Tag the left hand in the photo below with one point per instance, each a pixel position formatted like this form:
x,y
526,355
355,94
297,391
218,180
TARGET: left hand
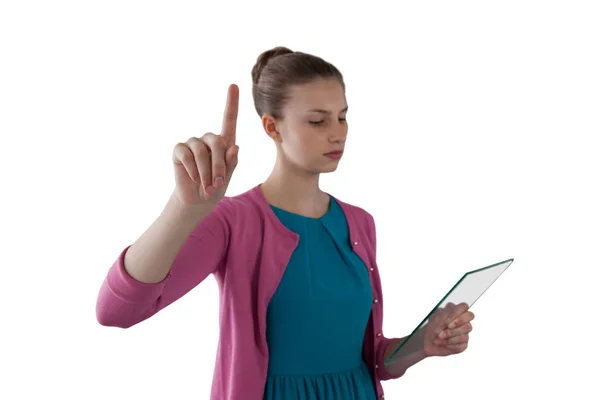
x,y
447,331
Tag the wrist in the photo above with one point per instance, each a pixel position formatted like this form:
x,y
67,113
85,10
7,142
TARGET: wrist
x,y
188,211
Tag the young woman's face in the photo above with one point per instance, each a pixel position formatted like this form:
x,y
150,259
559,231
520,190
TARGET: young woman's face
x,y
314,125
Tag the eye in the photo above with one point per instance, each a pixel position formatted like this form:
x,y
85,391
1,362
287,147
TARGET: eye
x,y
321,122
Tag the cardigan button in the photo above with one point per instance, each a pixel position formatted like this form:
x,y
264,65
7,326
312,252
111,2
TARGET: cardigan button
x,y
375,301
355,243
378,334
376,365
371,269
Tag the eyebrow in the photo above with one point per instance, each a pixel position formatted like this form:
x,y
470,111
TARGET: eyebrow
x,y
320,110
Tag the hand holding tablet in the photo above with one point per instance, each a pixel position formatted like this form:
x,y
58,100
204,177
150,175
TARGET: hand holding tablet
x,y
443,330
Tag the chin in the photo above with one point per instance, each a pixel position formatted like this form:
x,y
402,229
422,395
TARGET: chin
x,y
320,168
329,168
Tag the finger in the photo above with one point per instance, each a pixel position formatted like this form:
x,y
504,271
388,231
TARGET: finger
x,y
457,340
440,313
217,153
462,319
452,341
456,312
461,330
448,309
230,115
453,333
184,158
457,348
440,317
231,161
202,158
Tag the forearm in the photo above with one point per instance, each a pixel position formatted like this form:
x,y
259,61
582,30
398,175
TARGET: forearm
x,y
149,259
410,354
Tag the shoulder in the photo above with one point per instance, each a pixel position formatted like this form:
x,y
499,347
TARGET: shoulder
x,y
240,203
356,212
243,206
248,216
360,218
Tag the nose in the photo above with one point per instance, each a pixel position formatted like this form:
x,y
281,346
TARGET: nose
x,y
338,134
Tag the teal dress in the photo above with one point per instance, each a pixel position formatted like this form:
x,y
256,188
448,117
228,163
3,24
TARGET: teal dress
x,y
317,317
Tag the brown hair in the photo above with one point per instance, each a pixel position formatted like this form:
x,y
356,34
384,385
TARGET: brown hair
x,y
279,68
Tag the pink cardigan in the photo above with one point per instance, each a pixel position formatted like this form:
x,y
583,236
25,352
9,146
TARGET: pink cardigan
x,y
247,249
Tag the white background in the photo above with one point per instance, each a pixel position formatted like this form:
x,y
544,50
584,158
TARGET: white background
x,y
473,138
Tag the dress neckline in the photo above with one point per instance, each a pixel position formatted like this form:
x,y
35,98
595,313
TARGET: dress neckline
x,y
296,215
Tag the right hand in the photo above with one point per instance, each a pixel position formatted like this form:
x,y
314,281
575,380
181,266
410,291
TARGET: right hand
x,y
204,166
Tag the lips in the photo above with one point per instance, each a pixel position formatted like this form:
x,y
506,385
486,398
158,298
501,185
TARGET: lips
x,y
334,155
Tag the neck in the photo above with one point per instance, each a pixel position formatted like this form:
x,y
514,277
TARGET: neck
x,y
294,190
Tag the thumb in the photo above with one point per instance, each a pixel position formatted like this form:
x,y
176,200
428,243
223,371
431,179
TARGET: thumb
x,y
231,160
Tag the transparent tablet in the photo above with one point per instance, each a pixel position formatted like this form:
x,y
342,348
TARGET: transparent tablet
x,y
467,290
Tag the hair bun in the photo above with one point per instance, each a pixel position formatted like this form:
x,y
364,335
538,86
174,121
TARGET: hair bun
x,y
264,58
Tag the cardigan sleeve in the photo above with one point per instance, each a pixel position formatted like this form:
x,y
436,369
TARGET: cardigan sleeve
x,y
123,301
384,341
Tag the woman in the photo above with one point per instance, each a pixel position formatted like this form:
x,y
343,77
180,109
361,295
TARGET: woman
x,y
301,305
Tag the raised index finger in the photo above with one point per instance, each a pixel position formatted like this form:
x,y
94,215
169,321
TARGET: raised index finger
x,y
230,115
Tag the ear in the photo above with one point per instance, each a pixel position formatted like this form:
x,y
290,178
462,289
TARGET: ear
x,y
270,126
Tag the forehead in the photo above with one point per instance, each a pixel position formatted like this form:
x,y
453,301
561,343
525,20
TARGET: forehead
x,y
321,94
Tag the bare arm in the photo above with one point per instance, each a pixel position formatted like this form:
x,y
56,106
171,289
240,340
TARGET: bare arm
x,y
150,258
